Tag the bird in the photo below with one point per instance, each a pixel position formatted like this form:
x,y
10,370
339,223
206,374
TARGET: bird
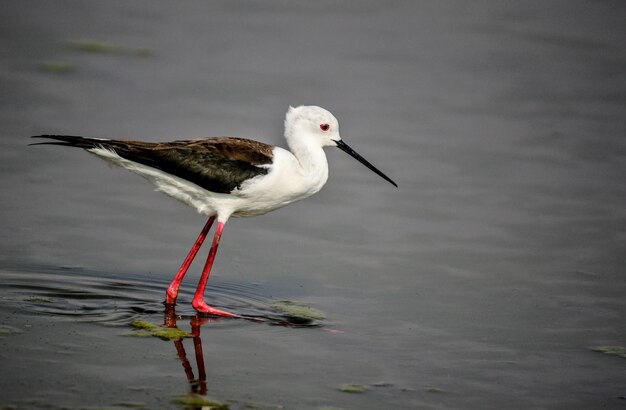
x,y
223,177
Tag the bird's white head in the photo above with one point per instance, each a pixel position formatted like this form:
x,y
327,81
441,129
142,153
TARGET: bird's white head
x,y
308,128
313,123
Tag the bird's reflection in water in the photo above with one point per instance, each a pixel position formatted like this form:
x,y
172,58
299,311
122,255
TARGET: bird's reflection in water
x,y
196,397
198,385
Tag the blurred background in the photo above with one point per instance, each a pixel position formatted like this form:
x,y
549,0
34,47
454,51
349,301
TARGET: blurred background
x,y
484,281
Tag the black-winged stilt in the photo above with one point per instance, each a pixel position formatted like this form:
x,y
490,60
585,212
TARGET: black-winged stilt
x,y
227,176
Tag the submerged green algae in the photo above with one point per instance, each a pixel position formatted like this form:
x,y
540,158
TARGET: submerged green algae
x,y
298,312
353,388
146,329
101,47
193,400
55,67
140,324
91,46
619,351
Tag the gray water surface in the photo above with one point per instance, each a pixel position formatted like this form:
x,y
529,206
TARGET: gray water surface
x,y
484,281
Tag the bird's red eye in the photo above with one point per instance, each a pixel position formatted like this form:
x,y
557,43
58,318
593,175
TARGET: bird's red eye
x,y
324,127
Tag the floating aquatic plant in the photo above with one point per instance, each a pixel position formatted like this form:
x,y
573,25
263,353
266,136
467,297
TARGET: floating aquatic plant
x,y
298,312
619,351
193,400
100,47
91,46
353,388
55,67
140,324
145,329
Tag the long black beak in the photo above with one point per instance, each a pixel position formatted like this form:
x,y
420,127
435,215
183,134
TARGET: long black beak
x,y
345,148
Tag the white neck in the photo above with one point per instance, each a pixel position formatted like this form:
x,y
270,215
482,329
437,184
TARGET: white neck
x,y
310,156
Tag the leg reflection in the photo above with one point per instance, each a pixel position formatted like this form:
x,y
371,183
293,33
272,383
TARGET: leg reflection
x,y
196,322
198,386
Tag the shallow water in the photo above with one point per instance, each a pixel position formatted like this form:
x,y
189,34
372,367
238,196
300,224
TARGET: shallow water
x,y
117,300
484,281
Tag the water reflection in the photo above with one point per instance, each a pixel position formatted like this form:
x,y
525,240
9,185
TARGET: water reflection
x,y
197,397
198,385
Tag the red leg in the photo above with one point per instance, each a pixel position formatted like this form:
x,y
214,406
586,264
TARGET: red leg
x,y
197,346
172,290
198,302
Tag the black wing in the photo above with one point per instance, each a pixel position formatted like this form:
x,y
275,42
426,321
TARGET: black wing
x,y
215,164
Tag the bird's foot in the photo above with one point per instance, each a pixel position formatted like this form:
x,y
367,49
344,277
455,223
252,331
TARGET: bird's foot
x,y
201,306
170,296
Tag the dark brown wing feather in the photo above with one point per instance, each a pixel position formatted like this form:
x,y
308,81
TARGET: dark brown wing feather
x,y
216,164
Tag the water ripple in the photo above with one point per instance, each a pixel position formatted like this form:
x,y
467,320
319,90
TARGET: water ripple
x,y
113,300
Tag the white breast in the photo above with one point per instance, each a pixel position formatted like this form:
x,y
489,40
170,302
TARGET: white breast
x,y
286,182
